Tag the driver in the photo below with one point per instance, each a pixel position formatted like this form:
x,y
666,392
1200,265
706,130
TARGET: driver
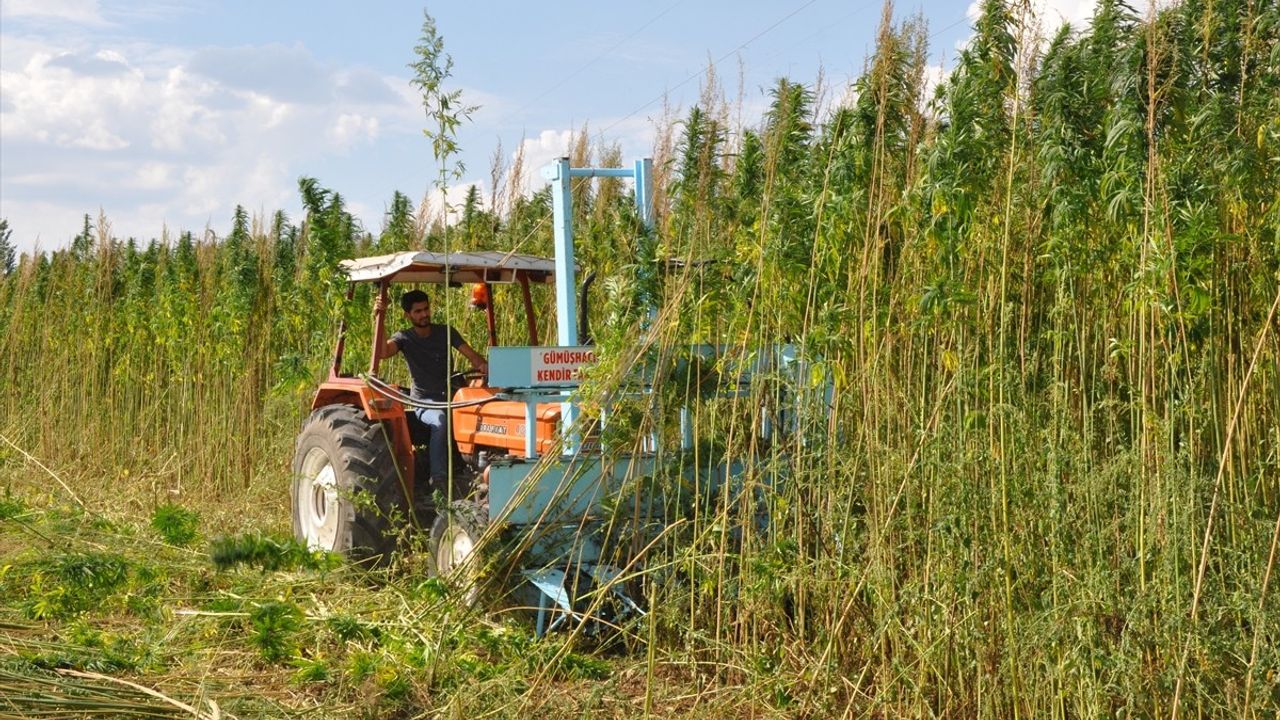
x,y
425,346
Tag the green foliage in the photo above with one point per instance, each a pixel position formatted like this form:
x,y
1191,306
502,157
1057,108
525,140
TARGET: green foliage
x,y
11,507
266,552
348,629
444,108
574,666
7,249
176,524
310,670
96,574
273,627
974,135
82,244
72,583
398,231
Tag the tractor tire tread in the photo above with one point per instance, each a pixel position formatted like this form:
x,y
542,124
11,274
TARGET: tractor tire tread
x,y
365,463
473,519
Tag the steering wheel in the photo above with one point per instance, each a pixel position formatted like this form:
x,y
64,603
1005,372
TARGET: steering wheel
x,y
469,378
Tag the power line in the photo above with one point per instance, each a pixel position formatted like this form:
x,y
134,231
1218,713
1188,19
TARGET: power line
x,y
722,58
963,18
597,58
826,27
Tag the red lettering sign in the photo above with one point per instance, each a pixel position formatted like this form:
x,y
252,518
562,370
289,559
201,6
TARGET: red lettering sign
x,y
560,366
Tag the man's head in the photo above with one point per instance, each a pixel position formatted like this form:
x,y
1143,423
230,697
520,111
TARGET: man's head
x,y
417,307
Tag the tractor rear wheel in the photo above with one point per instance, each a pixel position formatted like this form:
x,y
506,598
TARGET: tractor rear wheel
x,y
455,547
347,493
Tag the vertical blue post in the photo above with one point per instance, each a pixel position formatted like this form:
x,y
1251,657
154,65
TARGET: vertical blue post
x,y
566,280
559,175
643,175
644,191
566,284
531,426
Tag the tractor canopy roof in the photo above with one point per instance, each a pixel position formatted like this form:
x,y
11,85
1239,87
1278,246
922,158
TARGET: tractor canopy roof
x,y
489,266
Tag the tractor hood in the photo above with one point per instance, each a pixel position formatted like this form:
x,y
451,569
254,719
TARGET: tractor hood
x,y
488,266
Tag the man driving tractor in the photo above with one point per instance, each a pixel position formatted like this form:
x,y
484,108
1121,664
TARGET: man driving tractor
x,y
425,346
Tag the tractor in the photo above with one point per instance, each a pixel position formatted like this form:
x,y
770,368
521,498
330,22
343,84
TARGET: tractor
x,y
359,465
525,464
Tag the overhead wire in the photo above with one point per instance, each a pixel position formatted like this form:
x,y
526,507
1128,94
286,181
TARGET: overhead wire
x,y
582,68
962,18
826,27
699,73
597,58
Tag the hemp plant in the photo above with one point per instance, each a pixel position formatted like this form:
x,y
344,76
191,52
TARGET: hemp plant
x,y
7,250
445,109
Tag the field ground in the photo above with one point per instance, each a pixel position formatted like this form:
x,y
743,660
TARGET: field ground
x,y
102,616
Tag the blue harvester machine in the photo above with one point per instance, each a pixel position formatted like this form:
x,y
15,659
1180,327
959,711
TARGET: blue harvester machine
x,y
555,491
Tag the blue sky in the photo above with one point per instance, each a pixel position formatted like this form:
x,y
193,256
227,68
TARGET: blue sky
x,y
168,114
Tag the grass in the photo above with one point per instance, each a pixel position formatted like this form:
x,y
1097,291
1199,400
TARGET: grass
x,y
175,524
143,626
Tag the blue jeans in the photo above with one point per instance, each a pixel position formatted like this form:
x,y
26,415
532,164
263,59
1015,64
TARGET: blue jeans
x,y
438,444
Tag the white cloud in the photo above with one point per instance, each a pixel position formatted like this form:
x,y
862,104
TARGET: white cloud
x,y
351,128
539,151
847,97
1053,13
295,75
934,75
455,195
1050,15
182,118
635,137
95,136
361,85
134,130
104,63
270,113
49,101
83,12
974,10
153,175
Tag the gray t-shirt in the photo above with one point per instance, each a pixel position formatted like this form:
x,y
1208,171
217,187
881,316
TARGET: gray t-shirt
x,y
429,359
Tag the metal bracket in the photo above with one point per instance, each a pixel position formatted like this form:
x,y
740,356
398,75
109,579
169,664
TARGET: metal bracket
x,y
552,587
559,174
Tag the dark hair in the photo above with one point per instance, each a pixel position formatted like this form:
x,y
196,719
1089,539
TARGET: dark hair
x,y
411,298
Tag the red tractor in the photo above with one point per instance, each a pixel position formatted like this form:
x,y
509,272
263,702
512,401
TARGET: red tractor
x,y
358,477
527,462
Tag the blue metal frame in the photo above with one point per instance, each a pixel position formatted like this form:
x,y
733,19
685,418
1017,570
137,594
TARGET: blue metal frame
x,y
559,174
567,496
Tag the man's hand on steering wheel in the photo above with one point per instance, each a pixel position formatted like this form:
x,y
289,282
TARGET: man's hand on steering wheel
x,y
476,373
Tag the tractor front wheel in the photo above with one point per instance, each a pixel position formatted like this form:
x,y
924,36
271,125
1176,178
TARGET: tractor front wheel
x,y
347,493
455,547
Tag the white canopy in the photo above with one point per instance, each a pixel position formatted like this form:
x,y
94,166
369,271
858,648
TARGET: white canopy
x,y
462,267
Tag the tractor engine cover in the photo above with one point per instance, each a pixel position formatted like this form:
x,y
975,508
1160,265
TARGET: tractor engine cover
x,y
500,423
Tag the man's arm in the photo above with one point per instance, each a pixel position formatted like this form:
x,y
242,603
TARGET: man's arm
x,y
477,360
390,347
